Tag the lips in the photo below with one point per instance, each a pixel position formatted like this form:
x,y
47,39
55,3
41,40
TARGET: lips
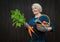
x,y
35,11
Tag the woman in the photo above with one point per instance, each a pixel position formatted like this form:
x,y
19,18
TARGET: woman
x,y
36,23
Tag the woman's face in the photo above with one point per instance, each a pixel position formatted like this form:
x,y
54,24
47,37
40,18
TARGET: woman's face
x,y
35,10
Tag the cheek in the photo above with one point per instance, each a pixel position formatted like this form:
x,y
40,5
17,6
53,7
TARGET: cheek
x,y
35,11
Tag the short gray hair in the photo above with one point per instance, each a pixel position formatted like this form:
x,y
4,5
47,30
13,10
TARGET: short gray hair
x,y
38,6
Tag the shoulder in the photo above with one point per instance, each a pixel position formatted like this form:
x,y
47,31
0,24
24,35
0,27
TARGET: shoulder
x,y
44,15
31,18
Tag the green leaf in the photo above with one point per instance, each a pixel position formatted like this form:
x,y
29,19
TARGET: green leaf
x,y
17,17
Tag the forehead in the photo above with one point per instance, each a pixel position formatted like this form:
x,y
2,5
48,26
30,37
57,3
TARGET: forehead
x,y
34,7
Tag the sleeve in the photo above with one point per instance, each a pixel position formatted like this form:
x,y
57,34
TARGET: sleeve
x,y
26,24
44,18
30,22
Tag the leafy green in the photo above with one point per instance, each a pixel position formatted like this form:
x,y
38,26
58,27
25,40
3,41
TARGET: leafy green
x,y
17,17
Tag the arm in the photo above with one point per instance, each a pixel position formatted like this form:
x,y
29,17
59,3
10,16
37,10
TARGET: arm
x,y
29,28
43,28
44,24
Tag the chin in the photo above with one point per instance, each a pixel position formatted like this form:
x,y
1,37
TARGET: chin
x,y
35,13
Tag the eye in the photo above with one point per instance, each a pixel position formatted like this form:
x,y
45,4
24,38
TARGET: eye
x,y
35,8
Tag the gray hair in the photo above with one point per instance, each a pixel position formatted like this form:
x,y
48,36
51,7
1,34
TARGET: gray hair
x,y
38,6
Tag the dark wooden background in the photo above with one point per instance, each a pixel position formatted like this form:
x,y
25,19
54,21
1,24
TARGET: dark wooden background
x,y
12,34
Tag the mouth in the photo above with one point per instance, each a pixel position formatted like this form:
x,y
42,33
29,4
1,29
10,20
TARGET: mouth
x,y
34,11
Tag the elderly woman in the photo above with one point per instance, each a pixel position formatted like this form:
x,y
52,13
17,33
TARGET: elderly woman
x,y
39,24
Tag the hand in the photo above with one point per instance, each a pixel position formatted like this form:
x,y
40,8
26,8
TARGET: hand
x,y
30,30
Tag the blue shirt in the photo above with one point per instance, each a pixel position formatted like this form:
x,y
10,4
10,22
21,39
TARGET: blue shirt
x,y
39,36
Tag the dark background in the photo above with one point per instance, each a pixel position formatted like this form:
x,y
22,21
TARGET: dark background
x,y
12,34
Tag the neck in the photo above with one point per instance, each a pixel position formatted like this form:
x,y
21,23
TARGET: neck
x,y
37,15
